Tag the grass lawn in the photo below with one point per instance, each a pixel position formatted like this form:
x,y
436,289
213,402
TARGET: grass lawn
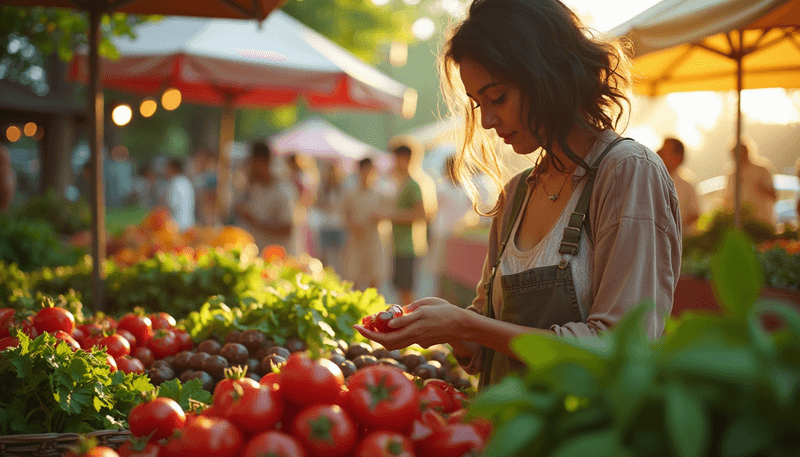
x,y
120,217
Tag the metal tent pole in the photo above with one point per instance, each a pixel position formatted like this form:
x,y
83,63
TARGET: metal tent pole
x,y
96,147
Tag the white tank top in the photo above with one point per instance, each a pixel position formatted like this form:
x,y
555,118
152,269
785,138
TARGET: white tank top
x,y
545,253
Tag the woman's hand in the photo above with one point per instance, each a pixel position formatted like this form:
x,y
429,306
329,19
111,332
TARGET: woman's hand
x,y
426,322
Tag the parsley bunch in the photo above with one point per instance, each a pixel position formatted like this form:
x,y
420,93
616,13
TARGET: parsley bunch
x,y
48,388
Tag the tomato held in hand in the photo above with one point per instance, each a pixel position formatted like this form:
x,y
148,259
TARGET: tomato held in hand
x,y
140,326
251,408
212,437
273,443
379,322
325,430
382,396
305,381
159,416
382,444
116,345
54,319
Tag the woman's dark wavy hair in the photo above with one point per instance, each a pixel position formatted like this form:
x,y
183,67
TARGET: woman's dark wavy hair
x,y
567,78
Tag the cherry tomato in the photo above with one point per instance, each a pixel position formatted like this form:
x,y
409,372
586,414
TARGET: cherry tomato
x,y
111,363
452,440
97,451
382,320
163,344
128,336
383,397
369,322
145,356
383,444
8,342
127,364
305,381
184,340
273,443
65,337
209,436
162,320
140,326
54,319
116,345
160,416
138,448
251,408
432,396
325,430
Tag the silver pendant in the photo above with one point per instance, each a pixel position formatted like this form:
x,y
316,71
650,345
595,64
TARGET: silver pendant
x,y
553,197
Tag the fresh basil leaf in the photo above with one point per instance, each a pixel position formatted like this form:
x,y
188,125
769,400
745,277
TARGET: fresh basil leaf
x,y
736,274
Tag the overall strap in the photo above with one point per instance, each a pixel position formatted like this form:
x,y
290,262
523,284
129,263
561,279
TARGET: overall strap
x,y
519,198
579,220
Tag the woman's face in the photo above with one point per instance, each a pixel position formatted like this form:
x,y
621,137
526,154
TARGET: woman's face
x,y
500,106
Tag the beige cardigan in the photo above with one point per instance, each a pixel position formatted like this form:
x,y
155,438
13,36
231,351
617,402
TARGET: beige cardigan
x,y
636,235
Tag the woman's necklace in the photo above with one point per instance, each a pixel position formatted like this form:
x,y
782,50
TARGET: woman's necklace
x,y
554,196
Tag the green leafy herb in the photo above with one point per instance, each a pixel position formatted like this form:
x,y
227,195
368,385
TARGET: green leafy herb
x,y
48,388
192,390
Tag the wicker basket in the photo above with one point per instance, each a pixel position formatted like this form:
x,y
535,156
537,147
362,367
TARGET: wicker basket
x,y
56,444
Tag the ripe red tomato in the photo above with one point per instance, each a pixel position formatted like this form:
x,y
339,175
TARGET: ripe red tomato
x,y
325,430
6,315
226,385
184,340
78,335
10,321
369,322
139,326
138,448
54,319
269,379
65,337
163,344
97,451
458,398
383,397
424,426
161,320
159,415
251,408
128,336
305,381
111,363
128,364
273,443
382,320
116,345
8,342
432,396
382,444
452,440
145,356
210,436
379,322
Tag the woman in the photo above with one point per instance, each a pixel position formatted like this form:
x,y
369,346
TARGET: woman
x,y
332,233
591,232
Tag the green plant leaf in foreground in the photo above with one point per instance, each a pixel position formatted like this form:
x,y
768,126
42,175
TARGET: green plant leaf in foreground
x,y
184,393
687,422
736,274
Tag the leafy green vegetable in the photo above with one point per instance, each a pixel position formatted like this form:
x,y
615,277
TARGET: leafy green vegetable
x,y
716,385
48,388
192,390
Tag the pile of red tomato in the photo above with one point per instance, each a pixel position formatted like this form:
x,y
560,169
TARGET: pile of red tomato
x,y
307,409
132,343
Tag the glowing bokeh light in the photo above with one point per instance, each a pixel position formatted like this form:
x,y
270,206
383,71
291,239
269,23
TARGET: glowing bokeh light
x,y
121,115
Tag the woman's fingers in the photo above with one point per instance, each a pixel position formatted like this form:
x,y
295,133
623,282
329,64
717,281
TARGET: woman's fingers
x,y
405,319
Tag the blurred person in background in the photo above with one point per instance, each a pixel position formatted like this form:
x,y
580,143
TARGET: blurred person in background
x,y
365,259
305,179
145,186
266,210
118,177
332,230
415,206
7,180
204,180
672,153
180,195
757,189
454,207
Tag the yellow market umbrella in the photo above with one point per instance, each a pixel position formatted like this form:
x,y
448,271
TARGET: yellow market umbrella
x,y
716,45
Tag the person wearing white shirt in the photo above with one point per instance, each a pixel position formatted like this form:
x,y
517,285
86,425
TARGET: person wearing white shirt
x,y
180,195
672,153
